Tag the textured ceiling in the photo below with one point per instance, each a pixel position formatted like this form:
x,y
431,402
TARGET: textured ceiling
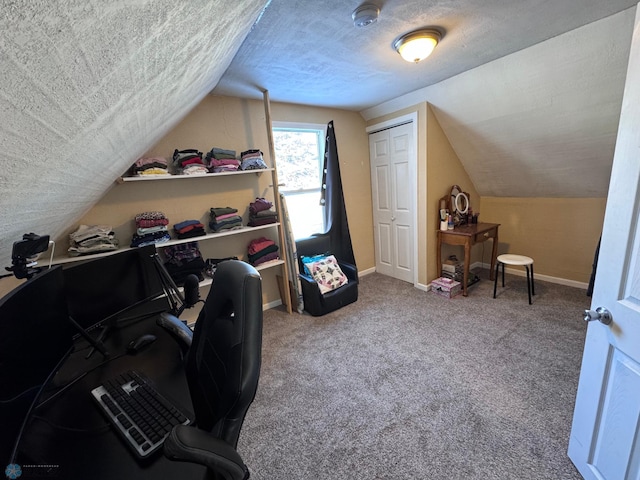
x,y
541,122
528,92
88,86
309,51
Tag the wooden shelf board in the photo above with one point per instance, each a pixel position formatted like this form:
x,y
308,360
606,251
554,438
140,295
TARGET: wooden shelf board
x,y
147,178
176,241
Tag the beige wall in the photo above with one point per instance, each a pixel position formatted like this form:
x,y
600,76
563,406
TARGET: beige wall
x,y
560,234
238,124
8,283
444,170
353,151
438,170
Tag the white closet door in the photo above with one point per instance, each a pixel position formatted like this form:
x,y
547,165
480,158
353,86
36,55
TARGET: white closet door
x,y
393,191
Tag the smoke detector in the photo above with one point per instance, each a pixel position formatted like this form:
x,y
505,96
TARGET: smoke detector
x,y
365,15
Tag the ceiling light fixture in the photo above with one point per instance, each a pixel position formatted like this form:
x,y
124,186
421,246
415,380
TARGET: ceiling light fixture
x,y
365,15
417,45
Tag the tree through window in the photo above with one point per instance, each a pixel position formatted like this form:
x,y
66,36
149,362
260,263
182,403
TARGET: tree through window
x,y
300,153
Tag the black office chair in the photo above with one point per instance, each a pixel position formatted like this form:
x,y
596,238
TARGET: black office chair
x,y
222,368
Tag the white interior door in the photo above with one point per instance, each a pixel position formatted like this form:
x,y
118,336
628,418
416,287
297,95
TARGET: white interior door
x,y
605,434
393,189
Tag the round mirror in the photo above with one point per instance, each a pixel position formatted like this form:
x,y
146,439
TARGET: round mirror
x,y
455,190
462,203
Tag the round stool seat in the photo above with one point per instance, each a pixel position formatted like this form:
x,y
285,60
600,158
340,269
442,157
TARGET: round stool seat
x,y
511,259
519,260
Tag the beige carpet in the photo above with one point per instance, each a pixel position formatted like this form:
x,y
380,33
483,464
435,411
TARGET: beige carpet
x,y
405,384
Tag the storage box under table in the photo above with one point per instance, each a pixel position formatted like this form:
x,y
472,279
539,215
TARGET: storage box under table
x,y
446,287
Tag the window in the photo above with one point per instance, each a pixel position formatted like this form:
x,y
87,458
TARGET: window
x,y
300,158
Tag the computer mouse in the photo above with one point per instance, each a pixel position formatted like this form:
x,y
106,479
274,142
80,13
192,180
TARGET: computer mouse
x,y
140,343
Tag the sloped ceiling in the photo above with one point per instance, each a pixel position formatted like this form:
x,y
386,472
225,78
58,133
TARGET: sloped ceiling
x,y
541,122
309,51
87,87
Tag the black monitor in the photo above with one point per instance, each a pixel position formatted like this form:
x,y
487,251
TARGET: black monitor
x,y
35,335
105,287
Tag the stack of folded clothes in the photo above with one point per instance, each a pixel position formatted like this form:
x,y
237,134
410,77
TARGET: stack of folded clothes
x,y
262,250
261,213
221,160
89,239
183,260
150,166
189,162
189,229
252,160
224,218
151,228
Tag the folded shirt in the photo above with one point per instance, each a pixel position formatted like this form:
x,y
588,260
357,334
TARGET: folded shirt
x,y
262,253
226,224
186,223
257,222
147,230
215,211
150,239
267,258
258,244
259,205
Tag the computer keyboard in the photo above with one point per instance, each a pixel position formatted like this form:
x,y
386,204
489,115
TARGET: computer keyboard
x,y
139,413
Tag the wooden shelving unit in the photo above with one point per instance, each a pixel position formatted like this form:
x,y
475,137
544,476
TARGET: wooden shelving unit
x,y
236,248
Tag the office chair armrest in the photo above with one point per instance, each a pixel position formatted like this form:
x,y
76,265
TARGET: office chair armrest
x,y
177,329
188,444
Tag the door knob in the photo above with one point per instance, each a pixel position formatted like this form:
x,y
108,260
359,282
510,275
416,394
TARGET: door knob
x,y
599,313
393,219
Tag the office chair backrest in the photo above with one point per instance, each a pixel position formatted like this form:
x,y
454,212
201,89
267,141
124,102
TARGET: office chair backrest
x,y
223,363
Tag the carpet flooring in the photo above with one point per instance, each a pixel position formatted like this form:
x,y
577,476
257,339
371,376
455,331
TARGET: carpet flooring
x,y
405,384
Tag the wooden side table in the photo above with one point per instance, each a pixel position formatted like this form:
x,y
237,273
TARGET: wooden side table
x,y
469,235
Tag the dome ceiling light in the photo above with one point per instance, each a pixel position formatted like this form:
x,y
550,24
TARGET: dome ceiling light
x,y
417,45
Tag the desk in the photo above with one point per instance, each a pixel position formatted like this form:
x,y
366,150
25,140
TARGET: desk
x,y
469,235
72,434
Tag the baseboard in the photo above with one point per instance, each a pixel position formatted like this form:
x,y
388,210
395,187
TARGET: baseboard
x,y
537,276
368,271
274,304
419,286
512,271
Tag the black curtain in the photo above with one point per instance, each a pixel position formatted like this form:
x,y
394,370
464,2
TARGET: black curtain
x,y
594,267
335,213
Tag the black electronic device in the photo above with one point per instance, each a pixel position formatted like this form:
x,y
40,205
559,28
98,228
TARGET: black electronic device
x,y
191,291
138,344
140,413
22,263
105,288
35,335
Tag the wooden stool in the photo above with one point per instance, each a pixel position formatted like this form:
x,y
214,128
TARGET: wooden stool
x,y
521,260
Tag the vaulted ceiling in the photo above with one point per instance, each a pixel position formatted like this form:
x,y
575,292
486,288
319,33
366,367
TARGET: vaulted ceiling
x,y
526,90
